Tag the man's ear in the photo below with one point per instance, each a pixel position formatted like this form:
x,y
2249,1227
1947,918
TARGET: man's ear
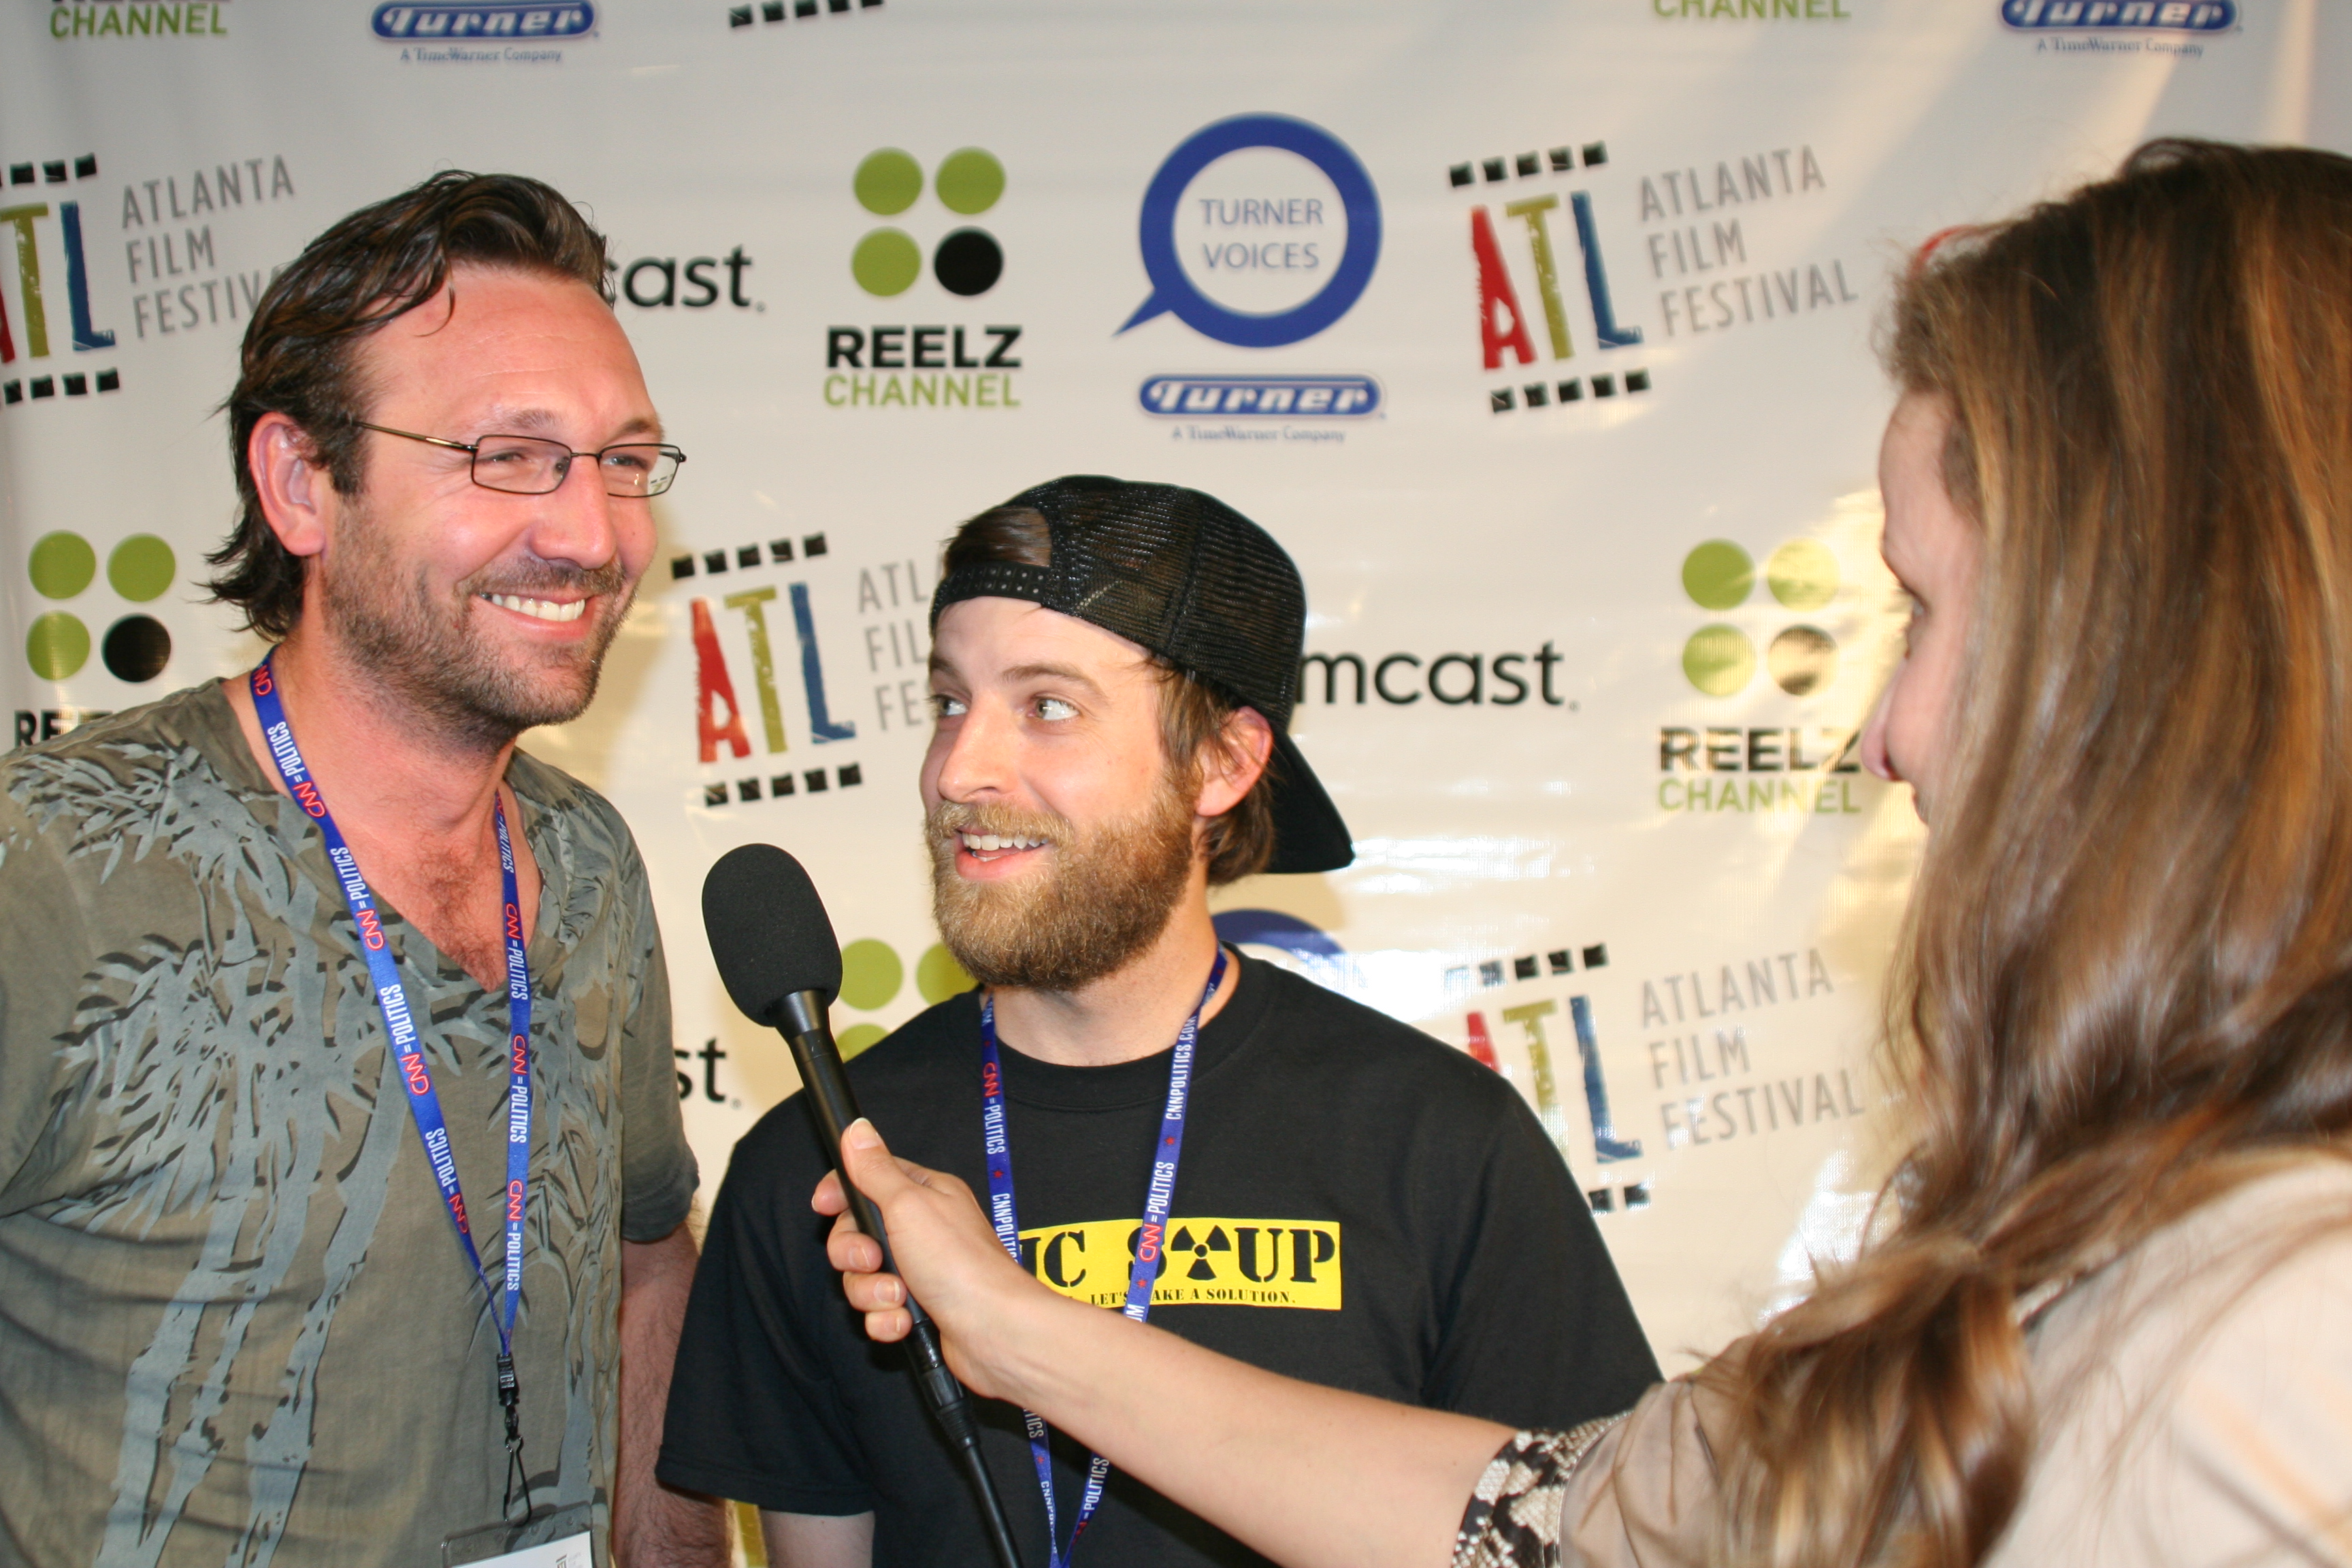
x,y
1232,763
298,499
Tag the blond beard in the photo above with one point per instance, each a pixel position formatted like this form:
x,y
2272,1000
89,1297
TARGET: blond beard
x,y
1104,896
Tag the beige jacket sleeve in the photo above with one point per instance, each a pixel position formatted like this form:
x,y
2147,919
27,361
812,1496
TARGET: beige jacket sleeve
x,y
2194,1403
1637,1491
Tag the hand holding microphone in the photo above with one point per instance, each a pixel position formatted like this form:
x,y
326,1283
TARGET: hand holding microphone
x,y
984,1302
781,961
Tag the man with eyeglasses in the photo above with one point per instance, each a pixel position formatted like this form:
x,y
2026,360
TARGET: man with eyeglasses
x,y
343,1188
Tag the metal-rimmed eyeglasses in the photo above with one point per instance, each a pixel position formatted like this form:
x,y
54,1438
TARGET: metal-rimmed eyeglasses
x,y
534,466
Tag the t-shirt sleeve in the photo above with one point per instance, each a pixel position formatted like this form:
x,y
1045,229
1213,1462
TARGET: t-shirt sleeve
x,y
659,1175
1539,1330
754,1413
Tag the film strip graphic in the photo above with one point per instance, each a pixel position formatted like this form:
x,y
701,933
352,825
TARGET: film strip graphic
x,y
1503,326
23,211
714,561
1527,966
715,682
1560,159
1530,1017
801,10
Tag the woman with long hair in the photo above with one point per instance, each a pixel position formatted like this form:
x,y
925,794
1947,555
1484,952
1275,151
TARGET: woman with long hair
x,y
2107,1314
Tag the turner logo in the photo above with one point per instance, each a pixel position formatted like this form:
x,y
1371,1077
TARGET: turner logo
x,y
2151,16
1265,396
430,22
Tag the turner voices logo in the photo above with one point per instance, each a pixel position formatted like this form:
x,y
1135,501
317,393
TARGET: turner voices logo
x,y
1259,231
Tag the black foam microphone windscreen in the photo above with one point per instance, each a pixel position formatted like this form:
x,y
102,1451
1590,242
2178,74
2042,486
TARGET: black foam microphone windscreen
x,y
769,931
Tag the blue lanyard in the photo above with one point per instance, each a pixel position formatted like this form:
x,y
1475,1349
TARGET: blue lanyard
x,y
998,1136
408,1052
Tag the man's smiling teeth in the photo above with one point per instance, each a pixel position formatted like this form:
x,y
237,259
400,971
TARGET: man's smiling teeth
x,y
545,609
981,843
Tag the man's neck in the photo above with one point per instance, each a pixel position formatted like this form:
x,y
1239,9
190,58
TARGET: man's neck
x,y
1134,1013
384,766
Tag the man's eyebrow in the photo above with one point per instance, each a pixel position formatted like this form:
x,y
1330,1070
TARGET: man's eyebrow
x,y
942,665
522,421
531,421
1070,673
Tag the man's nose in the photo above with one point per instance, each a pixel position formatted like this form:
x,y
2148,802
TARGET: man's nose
x,y
577,522
1873,737
980,757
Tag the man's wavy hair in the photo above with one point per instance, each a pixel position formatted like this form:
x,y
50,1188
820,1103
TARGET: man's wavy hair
x,y
300,354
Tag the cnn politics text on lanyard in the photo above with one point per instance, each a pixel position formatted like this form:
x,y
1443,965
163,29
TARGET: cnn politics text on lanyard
x,y
998,1135
408,1052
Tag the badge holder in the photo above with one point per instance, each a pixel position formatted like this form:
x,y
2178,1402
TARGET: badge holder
x,y
550,1538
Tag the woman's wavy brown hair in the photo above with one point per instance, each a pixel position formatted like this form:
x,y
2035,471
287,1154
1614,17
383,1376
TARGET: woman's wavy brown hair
x,y
2128,964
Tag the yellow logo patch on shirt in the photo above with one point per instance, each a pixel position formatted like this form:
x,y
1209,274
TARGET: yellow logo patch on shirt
x,y
1202,1262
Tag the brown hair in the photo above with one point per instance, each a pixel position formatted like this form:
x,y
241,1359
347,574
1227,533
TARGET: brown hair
x,y
2127,970
299,355
1192,715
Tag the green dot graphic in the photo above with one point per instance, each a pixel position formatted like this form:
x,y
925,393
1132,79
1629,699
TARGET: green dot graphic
x,y
62,565
969,181
885,262
1719,660
857,1037
1718,575
870,975
888,182
1802,660
938,977
141,568
1803,574
58,646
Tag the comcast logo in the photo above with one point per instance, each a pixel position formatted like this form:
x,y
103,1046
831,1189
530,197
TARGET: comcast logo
x,y
1720,659
966,261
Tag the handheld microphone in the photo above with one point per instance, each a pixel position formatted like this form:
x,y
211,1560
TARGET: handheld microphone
x,y
781,964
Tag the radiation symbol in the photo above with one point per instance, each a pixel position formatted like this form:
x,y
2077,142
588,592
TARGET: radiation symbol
x,y
1201,1268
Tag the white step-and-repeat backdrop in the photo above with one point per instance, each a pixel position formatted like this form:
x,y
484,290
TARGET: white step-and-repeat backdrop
x,y
1539,331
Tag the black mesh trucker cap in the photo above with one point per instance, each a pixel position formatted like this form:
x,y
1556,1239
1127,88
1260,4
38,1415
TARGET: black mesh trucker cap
x,y
1200,585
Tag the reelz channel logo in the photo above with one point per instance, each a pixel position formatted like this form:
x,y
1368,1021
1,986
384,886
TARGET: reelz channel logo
x,y
1271,396
2152,16
500,19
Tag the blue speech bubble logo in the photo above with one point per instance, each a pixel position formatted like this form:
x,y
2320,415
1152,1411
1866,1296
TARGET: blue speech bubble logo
x,y
1172,290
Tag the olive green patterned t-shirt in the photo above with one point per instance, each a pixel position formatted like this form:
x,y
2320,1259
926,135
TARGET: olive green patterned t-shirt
x,y
236,1327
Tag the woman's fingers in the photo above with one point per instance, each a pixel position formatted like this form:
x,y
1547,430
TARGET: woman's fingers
x,y
851,1250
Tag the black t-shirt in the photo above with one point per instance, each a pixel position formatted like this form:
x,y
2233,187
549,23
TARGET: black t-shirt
x,y
1358,1205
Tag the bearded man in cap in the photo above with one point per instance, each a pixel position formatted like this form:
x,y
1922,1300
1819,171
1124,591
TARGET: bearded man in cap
x,y
1161,1125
